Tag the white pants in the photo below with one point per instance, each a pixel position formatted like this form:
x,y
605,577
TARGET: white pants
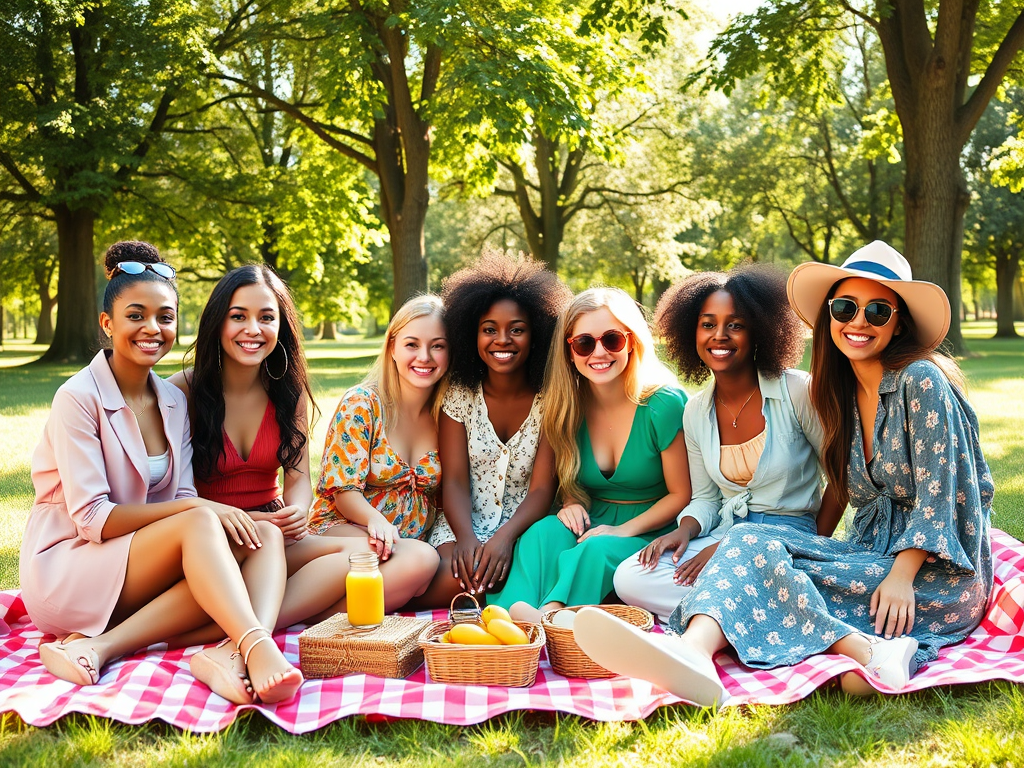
x,y
655,590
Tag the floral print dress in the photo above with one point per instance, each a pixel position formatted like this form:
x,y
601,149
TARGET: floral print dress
x,y
357,456
783,596
499,473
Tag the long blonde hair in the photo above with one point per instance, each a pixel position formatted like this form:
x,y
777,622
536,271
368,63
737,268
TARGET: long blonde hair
x,y
383,374
566,391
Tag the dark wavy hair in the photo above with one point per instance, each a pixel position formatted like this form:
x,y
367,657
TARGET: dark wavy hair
x,y
130,250
206,390
494,277
834,384
759,294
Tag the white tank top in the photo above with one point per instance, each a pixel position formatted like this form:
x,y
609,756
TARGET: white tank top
x,y
158,466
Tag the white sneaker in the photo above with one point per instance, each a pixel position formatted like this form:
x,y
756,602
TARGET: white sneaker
x,y
890,660
667,662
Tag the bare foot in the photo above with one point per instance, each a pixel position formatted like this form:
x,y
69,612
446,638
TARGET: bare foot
x,y
222,671
273,678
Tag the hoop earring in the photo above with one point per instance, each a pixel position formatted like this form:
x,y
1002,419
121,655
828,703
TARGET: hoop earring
x,y
220,366
266,367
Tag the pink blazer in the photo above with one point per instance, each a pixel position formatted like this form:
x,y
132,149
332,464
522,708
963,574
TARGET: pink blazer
x,y
92,458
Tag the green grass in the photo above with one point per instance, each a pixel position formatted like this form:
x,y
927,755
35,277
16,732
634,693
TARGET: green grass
x,y
978,725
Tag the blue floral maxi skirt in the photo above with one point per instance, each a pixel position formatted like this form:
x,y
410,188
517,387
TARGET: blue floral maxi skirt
x,y
781,596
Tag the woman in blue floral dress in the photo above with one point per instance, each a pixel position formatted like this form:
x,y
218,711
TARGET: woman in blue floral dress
x,y
902,445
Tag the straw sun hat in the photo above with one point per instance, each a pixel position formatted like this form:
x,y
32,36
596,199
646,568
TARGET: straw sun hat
x,y
810,283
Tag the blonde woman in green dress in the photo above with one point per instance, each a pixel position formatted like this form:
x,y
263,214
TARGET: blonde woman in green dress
x,y
614,418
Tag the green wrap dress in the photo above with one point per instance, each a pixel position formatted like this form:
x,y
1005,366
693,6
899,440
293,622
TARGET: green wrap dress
x,y
548,564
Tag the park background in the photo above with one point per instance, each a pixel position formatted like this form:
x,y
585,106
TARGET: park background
x,y
366,149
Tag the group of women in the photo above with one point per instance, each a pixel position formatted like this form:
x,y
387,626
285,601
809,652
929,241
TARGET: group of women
x,y
573,468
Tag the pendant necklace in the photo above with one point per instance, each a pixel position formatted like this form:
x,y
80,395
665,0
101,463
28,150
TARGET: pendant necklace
x,y
736,416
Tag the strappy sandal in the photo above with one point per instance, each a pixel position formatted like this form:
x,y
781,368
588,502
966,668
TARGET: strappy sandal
x,y
80,669
222,680
288,682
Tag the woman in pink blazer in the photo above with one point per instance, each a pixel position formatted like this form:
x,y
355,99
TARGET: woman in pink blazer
x,y
118,552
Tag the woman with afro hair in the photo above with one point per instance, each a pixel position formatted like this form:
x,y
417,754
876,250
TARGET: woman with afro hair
x,y
499,475
753,439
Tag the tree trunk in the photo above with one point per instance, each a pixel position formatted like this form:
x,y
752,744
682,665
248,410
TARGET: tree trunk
x,y
327,332
935,200
44,326
1007,269
76,334
409,255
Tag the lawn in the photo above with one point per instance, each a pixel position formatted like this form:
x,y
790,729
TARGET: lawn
x,y
958,726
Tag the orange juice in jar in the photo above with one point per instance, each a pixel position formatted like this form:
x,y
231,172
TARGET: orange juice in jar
x,y
364,587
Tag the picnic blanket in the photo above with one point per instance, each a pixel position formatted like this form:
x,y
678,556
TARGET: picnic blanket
x,y
156,684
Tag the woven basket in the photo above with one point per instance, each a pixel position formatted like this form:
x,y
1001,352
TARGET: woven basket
x,y
510,666
334,647
567,659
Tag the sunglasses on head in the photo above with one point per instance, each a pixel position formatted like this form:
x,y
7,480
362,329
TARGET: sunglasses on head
x,y
877,313
137,268
584,344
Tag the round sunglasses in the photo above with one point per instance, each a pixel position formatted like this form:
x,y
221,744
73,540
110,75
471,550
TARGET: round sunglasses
x,y
584,344
877,313
137,268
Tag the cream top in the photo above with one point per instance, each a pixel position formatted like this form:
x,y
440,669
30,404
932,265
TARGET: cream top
x,y
738,462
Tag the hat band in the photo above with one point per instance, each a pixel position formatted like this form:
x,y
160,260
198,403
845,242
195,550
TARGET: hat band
x,y
873,268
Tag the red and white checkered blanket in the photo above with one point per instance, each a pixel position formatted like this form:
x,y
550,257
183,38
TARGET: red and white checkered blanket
x,y
156,684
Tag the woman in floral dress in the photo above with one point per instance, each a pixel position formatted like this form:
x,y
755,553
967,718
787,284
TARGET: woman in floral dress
x,y
902,445
499,472
380,468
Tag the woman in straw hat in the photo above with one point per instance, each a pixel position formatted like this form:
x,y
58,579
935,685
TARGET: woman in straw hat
x,y
901,444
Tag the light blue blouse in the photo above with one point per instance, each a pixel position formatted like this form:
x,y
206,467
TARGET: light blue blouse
x,y
788,479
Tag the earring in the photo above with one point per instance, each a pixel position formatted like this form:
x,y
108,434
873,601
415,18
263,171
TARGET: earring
x,y
266,367
220,366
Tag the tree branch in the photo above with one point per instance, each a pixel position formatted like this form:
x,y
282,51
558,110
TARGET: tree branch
x,y
969,113
321,130
31,193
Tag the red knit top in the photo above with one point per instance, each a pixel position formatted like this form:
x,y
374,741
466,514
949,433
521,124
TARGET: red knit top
x,y
252,483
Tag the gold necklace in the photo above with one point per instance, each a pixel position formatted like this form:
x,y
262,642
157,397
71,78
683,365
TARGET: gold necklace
x,y
137,413
736,416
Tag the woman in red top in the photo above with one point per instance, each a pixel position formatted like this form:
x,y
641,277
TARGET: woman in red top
x,y
249,402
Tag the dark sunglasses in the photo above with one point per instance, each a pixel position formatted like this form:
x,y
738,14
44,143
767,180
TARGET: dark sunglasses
x,y
137,268
585,344
877,313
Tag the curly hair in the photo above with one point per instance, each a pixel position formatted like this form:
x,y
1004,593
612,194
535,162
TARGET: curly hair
x,y
759,294
496,276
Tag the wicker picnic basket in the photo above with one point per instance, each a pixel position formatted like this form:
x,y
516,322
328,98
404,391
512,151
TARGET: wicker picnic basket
x,y
509,666
566,657
334,647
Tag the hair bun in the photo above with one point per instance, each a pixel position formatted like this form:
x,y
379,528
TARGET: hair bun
x,y
129,250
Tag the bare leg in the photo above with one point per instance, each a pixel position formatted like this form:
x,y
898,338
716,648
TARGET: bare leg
x,y
192,546
407,573
704,635
443,587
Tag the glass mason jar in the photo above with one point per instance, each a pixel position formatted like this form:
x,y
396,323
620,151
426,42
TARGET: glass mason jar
x,y
364,587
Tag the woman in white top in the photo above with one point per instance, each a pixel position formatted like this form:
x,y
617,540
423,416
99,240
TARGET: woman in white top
x,y
499,474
